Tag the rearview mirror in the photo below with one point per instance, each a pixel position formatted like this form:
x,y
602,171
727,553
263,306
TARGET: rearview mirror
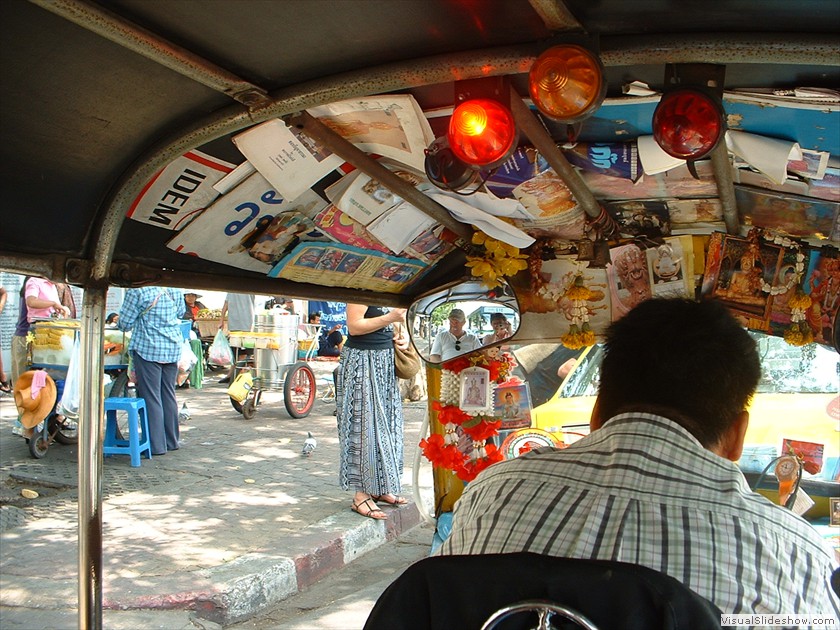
x,y
456,321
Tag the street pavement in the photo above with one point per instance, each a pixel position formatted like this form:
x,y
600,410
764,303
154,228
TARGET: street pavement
x,y
226,527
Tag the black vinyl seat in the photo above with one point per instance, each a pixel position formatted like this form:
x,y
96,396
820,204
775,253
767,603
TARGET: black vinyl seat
x,y
462,592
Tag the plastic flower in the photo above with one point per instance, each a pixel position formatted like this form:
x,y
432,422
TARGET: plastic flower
x,y
470,468
482,430
499,260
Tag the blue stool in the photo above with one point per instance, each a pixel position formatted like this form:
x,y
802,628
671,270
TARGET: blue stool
x,y
138,429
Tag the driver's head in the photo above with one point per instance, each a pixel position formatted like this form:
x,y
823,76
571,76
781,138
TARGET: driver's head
x,y
690,361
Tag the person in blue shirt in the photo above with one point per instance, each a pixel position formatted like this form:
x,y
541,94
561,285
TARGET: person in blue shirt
x,y
153,315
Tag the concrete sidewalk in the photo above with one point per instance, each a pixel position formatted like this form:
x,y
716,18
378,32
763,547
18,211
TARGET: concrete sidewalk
x,y
234,521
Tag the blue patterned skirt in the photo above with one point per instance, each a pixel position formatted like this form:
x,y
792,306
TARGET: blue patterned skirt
x,y
370,422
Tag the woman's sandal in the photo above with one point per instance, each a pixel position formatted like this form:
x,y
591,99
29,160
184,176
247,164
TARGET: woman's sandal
x,y
390,499
5,387
370,512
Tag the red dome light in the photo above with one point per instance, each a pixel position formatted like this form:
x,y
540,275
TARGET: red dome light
x,y
482,133
688,123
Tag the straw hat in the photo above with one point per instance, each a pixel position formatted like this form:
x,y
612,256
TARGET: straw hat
x,y
33,410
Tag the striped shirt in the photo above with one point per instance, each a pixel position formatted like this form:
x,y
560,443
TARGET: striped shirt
x,y
152,314
643,490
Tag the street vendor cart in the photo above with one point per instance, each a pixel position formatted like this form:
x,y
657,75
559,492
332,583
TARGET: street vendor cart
x,y
275,365
55,349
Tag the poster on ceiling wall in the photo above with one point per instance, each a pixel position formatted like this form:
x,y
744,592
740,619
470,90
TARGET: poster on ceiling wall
x,y
180,190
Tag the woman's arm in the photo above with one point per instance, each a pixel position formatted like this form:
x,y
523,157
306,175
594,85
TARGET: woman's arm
x,y
358,325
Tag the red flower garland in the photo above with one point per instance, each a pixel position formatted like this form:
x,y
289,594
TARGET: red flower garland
x,y
442,450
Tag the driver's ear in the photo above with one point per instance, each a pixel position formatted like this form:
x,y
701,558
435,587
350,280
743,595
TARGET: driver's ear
x,y
595,421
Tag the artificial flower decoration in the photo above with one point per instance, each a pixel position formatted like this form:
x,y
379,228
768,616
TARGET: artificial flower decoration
x,y
463,446
799,333
500,260
580,334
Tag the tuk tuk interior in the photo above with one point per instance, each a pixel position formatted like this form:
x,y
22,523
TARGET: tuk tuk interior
x,y
145,143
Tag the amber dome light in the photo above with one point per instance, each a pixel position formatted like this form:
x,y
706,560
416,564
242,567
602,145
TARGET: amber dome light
x,y
567,83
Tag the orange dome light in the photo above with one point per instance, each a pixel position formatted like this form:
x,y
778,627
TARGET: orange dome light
x,y
567,83
688,123
482,133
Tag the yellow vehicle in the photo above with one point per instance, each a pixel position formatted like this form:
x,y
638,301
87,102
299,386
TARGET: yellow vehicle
x,y
796,383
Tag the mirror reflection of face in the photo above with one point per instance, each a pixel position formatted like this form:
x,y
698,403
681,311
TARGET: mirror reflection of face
x,y
456,326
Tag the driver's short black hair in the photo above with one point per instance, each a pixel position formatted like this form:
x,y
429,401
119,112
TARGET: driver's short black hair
x,y
691,361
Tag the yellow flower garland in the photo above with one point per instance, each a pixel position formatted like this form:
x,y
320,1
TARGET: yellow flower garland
x,y
500,260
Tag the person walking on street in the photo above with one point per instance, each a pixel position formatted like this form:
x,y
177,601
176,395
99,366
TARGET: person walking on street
x,y
153,315
239,308
370,416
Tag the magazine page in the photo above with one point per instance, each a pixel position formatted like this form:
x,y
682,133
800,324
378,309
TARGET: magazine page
x,y
430,245
391,126
290,160
227,230
342,228
556,213
345,266
179,191
427,247
364,198
400,225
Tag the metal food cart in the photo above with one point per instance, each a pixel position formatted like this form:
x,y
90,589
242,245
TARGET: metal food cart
x,y
52,349
275,364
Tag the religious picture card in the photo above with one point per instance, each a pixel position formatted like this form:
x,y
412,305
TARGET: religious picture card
x,y
476,391
512,404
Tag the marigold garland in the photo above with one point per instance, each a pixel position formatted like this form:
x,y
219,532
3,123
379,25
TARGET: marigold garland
x,y
580,334
500,260
442,450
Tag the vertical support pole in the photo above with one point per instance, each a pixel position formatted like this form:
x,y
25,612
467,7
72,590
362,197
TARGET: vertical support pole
x,y
90,459
722,170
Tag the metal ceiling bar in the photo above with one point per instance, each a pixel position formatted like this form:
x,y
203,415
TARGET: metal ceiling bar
x,y
530,125
117,29
556,15
722,170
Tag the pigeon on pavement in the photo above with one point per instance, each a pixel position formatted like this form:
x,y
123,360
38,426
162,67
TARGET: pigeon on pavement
x,y
184,414
308,445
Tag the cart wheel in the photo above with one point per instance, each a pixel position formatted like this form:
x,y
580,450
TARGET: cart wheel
x,y
299,390
62,434
235,404
249,410
38,446
119,388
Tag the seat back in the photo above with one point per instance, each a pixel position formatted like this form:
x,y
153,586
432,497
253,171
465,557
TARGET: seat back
x,y
464,591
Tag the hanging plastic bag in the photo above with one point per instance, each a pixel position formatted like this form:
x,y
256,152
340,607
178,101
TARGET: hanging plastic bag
x,y
220,352
188,359
68,406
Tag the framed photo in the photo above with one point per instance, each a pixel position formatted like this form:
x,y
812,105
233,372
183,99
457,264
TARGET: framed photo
x,y
834,511
512,404
476,391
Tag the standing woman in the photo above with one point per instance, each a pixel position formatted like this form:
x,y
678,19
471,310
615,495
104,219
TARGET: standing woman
x,y
370,418
152,314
